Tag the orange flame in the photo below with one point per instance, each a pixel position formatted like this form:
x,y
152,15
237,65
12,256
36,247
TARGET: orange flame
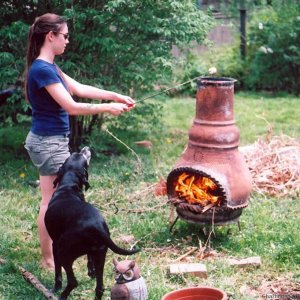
x,y
196,190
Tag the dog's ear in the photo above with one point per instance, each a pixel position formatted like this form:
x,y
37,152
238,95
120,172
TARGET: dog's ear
x,y
86,183
85,180
58,178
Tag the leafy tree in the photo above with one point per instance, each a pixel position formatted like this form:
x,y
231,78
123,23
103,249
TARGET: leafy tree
x,y
274,49
115,44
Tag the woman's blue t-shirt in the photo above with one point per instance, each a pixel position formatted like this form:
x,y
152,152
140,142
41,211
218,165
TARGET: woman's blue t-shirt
x,y
48,117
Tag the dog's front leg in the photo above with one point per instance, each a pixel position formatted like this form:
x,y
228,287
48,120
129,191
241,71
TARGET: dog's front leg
x,y
99,261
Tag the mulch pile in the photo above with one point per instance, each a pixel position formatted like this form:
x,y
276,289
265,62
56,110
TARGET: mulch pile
x,y
275,165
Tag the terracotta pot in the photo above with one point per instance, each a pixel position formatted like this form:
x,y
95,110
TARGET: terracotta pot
x,y
196,293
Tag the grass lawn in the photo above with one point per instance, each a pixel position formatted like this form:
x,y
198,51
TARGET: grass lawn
x,y
269,226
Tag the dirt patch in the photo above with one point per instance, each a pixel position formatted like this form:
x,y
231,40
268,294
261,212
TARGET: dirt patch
x,y
278,288
281,287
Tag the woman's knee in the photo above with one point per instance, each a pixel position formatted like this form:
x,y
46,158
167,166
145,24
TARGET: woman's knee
x,y
47,189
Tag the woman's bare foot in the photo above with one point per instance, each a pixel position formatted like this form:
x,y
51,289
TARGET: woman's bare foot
x,y
47,264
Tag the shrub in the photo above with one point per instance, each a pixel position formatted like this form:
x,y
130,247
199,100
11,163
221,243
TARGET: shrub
x,y
274,49
118,45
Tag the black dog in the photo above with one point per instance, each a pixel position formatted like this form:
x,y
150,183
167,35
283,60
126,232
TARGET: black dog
x,y
76,227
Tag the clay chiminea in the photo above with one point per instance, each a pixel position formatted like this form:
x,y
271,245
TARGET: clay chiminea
x,y
211,181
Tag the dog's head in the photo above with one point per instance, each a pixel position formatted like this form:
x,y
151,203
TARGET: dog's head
x,y
77,163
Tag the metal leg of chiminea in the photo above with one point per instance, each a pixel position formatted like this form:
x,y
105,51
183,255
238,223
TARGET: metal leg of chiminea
x,y
239,225
173,224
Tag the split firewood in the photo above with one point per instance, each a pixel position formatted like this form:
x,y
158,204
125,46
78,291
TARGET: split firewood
x,y
208,206
145,144
37,284
186,254
34,281
254,261
195,269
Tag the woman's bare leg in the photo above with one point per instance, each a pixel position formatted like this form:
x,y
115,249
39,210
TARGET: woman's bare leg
x,y
46,185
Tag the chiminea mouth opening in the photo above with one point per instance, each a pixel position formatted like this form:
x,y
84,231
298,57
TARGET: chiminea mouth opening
x,y
195,187
199,197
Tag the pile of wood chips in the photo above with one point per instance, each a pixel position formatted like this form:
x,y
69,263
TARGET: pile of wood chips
x,y
275,165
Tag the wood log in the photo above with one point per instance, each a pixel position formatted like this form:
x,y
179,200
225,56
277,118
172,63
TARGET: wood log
x,y
254,261
195,269
186,254
37,284
34,281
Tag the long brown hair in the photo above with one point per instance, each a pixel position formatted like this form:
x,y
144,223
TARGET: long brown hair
x,y
36,37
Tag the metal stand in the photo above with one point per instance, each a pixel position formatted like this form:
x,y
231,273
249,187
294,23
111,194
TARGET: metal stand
x,y
171,227
205,230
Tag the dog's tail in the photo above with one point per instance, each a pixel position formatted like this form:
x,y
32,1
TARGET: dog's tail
x,y
118,250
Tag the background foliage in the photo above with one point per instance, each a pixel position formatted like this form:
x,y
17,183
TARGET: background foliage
x,y
272,61
126,46
117,45
273,50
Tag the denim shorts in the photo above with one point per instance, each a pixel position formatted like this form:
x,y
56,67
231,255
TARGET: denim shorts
x,y
47,153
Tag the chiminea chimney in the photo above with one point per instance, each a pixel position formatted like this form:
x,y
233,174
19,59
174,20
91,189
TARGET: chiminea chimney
x,y
211,181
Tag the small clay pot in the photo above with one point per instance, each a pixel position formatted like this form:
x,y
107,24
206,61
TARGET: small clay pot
x,y
196,293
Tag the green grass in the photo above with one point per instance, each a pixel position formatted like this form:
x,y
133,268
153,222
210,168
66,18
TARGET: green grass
x,y
269,227
256,113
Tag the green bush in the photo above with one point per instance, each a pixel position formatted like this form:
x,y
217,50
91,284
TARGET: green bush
x,y
117,45
12,142
12,65
274,50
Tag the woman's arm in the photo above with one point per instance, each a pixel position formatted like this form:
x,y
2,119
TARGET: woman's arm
x,y
64,99
87,91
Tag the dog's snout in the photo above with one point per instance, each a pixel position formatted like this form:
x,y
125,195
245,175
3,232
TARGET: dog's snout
x,y
86,152
85,149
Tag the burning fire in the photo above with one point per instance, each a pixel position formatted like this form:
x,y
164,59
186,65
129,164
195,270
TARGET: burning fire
x,y
197,190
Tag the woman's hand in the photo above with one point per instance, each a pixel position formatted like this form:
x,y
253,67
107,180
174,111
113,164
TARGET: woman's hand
x,y
126,100
117,108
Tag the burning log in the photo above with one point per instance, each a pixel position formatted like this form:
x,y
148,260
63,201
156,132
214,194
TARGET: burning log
x,y
197,190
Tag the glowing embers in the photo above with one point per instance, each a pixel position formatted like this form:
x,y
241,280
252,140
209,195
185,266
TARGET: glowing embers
x,y
196,189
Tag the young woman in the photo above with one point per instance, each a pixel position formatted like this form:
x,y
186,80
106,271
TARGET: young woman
x,y
49,92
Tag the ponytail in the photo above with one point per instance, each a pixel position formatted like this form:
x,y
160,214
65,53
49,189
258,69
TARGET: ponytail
x,y
36,37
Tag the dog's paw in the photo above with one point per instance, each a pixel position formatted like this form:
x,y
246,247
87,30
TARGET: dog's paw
x,y
56,287
91,273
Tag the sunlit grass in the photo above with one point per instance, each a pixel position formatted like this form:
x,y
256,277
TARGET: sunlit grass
x,y
123,191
